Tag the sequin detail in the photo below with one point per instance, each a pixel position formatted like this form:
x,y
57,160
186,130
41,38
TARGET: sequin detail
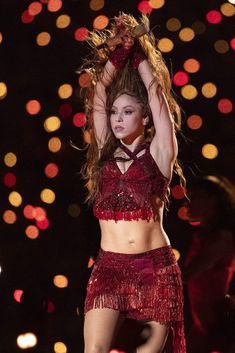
x,y
144,286
128,196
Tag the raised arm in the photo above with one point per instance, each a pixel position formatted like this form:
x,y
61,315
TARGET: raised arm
x,y
163,147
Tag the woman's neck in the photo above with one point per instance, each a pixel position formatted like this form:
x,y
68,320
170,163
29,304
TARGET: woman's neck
x,y
132,145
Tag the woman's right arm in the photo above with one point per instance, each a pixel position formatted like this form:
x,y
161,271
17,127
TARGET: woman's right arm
x,y
99,104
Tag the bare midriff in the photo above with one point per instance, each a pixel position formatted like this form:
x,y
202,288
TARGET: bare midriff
x,y
135,236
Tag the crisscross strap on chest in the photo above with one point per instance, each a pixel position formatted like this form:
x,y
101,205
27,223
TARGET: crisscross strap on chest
x,y
132,155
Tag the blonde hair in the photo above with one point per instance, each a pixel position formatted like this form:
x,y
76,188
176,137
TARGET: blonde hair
x,y
126,81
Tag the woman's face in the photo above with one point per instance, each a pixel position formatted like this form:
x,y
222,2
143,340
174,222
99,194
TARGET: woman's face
x,y
127,121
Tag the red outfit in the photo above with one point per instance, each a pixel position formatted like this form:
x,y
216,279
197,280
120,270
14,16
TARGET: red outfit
x,y
128,196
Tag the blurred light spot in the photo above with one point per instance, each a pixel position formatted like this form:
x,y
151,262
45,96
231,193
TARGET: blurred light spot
x,y
96,5
43,39
15,199
17,295
27,340
144,7
79,119
65,110
35,8
227,10
186,34
177,254
54,144
84,80
232,1
194,223
47,196
100,22
225,106
32,232
189,92
81,34
9,217
43,224
65,91
60,281
3,90
87,136
39,213
78,311
156,4
180,78
209,90
33,107
51,170
198,27
194,122
50,308
63,21
1,37
173,24
54,5
178,192
10,159
165,45
209,151
9,180
52,124
213,17
60,347
191,65
44,1
74,210
182,213
90,262
221,46
28,212
232,43
26,17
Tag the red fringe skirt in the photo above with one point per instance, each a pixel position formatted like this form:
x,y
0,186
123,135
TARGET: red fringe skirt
x,y
145,286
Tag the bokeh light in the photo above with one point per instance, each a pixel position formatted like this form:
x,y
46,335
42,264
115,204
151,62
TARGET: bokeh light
x,y
52,124
84,79
60,347
26,17
227,9
9,180
43,39
186,34
32,232
191,65
214,17
90,262
232,43
63,21
43,224
54,144
189,92
198,27
47,196
15,198
54,5
180,78
194,122
65,110
221,46
79,119
9,217
156,4
35,8
39,213
3,90
1,37
27,340
33,107
225,105
177,254
100,22
210,151
182,213
74,210
165,45
51,170
209,90
10,159
81,34
60,281
65,91
18,294
145,7
178,192
96,5
29,212
173,24
87,136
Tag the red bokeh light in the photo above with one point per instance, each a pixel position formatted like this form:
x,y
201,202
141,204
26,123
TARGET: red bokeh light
x,y
18,294
225,106
9,180
180,78
214,17
28,212
232,43
26,17
79,119
178,192
145,7
44,224
65,110
81,34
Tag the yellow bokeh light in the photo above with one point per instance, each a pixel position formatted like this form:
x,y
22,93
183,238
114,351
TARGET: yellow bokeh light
x,y
9,217
96,5
1,37
3,90
63,21
165,45
15,199
227,9
84,79
100,22
209,90
210,151
47,196
189,92
52,123
65,91
194,122
87,136
27,340
32,232
173,24
156,4
54,144
177,254
191,65
10,159
186,34
221,46
43,39
60,281
60,347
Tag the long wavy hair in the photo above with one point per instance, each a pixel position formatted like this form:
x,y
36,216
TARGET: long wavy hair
x,y
126,81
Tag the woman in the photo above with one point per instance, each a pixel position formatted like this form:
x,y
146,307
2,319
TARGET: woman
x,y
209,265
128,175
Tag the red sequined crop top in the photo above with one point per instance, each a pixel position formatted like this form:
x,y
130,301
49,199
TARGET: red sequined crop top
x,y
127,196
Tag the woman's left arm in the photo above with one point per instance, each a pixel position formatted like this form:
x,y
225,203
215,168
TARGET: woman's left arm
x,y
164,146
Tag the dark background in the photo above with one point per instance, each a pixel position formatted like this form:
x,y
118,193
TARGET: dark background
x,y
33,72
